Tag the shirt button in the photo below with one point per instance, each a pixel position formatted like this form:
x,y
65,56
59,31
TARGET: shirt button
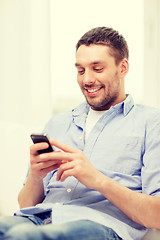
x,y
69,190
80,138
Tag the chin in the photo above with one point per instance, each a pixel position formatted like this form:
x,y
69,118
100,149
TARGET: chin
x,y
96,107
100,106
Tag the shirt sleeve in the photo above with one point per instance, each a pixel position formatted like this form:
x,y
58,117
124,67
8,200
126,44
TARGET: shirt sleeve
x,y
151,158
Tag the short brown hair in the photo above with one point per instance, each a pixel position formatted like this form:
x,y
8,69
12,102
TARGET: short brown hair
x,y
109,37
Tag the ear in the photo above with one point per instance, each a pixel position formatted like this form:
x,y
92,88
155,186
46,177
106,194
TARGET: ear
x,y
124,67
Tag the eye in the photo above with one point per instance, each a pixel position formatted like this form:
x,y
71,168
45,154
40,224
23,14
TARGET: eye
x,y
80,71
98,69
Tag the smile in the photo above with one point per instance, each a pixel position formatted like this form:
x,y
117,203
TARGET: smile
x,y
93,90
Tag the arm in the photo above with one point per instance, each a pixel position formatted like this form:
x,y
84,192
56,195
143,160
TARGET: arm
x,y
33,191
141,208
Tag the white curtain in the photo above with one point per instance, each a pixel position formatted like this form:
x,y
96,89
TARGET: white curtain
x,y
152,52
25,61
25,92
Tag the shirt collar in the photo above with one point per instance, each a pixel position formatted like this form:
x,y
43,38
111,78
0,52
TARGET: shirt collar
x,y
124,106
128,104
80,114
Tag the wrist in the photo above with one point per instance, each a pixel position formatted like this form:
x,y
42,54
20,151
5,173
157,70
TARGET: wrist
x,y
32,177
102,182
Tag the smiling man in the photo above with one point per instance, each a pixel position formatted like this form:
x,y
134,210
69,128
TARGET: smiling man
x,y
103,179
100,78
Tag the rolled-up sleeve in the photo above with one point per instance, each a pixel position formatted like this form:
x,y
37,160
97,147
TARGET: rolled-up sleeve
x,y
151,158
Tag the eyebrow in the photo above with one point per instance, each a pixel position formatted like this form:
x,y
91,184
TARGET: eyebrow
x,y
92,63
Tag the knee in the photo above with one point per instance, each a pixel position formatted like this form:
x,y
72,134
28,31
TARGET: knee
x,y
23,231
33,232
6,223
9,222
3,226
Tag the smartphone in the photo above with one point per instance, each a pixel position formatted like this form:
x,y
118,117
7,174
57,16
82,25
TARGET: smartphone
x,y
38,138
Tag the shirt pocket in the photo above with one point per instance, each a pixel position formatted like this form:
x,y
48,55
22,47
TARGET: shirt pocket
x,y
121,154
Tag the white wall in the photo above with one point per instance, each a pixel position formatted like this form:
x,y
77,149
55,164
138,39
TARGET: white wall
x,y
25,97
70,19
152,53
25,61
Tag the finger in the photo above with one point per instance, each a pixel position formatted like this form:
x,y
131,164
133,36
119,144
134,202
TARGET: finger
x,y
66,174
63,168
45,165
48,164
49,169
58,156
38,146
63,147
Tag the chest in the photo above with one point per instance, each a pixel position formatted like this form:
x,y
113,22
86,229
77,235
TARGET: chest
x,y
112,145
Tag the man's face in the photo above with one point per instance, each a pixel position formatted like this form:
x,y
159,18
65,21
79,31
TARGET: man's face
x,y
98,76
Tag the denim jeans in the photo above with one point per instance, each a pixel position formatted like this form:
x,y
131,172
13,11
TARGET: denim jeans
x,y
40,228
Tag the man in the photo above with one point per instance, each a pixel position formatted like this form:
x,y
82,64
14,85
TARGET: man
x,y
102,181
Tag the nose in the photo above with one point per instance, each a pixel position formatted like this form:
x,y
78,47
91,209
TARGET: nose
x,y
88,77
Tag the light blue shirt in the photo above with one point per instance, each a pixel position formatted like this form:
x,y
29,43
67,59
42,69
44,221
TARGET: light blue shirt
x,y
124,145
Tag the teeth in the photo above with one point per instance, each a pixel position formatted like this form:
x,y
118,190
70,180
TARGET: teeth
x,y
93,90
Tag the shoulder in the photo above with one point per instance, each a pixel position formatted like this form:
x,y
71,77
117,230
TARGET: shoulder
x,y
146,114
60,123
147,111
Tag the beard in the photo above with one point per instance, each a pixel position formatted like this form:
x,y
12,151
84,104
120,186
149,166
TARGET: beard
x,y
108,96
103,104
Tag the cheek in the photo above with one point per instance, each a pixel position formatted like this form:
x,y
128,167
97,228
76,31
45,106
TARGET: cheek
x,y
104,78
105,81
109,80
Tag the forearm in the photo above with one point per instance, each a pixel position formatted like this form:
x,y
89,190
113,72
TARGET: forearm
x,y
32,193
141,208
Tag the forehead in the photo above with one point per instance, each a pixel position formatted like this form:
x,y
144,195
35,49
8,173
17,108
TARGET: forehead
x,y
93,53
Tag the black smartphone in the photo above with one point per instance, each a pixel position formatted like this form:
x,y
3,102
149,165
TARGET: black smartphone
x,y
38,138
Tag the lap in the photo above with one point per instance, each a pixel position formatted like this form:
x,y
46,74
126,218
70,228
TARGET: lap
x,y
84,230
78,230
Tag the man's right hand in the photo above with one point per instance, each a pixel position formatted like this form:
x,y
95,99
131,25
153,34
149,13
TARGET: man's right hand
x,y
39,167
33,191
